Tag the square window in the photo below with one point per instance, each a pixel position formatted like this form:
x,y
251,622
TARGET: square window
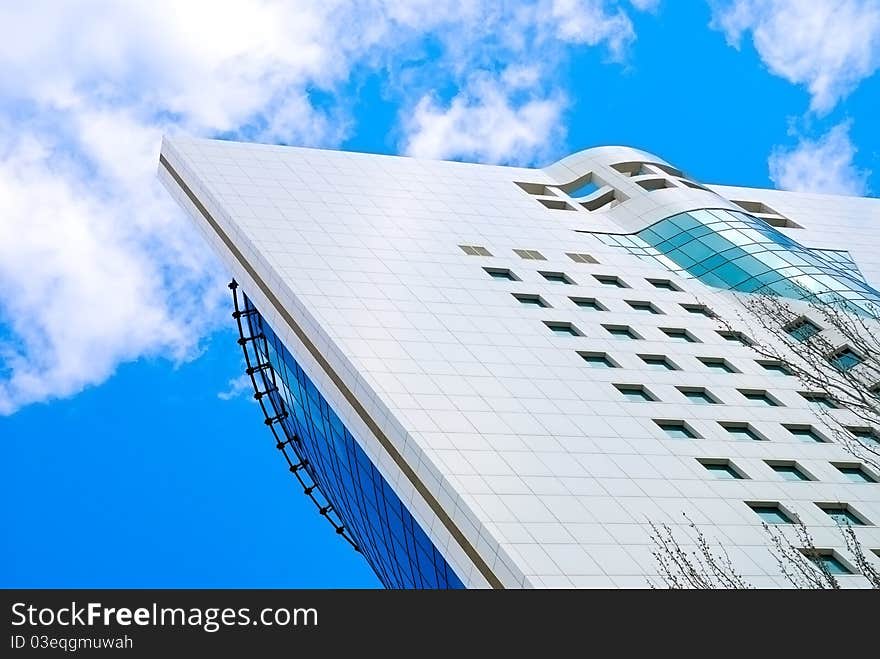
x,y
556,204
722,469
475,250
646,307
802,329
759,396
583,187
621,331
536,188
531,300
557,277
789,471
587,303
698,395
825,559
529,254
771,513
663,284
610,280
717,364
774,367
855,473
678,334
820,399
581,258
635,392
735,337
597,360
742,431
676,429
842,514
844,360
699,309
658,362
867,434
501,273
804,433
564,329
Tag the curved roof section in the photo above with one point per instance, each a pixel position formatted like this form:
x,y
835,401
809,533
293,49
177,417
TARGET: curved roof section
x,y
606,155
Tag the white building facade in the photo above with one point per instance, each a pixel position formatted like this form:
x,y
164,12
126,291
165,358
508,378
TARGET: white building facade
x,y
501,377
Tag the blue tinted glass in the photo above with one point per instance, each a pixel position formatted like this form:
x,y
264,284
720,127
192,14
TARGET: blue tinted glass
x,y
584,189
856,474
723,471
392,541
805,434
846,360
597,361
843,517
803,330
677,430
771,514
832,564
790,472
705,244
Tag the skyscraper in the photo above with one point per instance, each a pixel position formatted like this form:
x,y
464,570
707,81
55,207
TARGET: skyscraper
x,y
500,377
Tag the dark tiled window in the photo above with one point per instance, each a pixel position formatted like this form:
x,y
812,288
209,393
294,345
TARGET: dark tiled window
x,y
802,329
597,360
759,396
529,254
775,367
717,364
663,284
621,331
771,513
698,395
789,471
735,337
557,277
635,392
740,430
844,360
678,334
804,433
826,559
699,309
501,273
565,329
659,362
531,300
581,258
646,307
818,398
722,469
855,473
676,429
610,280
475,250
866,434
588,303
843,514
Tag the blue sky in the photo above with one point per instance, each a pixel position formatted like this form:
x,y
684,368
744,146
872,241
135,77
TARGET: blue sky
x,y
130,455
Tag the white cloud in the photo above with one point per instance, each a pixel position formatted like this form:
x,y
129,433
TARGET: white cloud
x,y
645,5
97,265
590,22
236,387
828,45
485,122
824,165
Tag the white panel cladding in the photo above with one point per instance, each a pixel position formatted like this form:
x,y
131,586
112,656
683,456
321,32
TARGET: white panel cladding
x,y
548,470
